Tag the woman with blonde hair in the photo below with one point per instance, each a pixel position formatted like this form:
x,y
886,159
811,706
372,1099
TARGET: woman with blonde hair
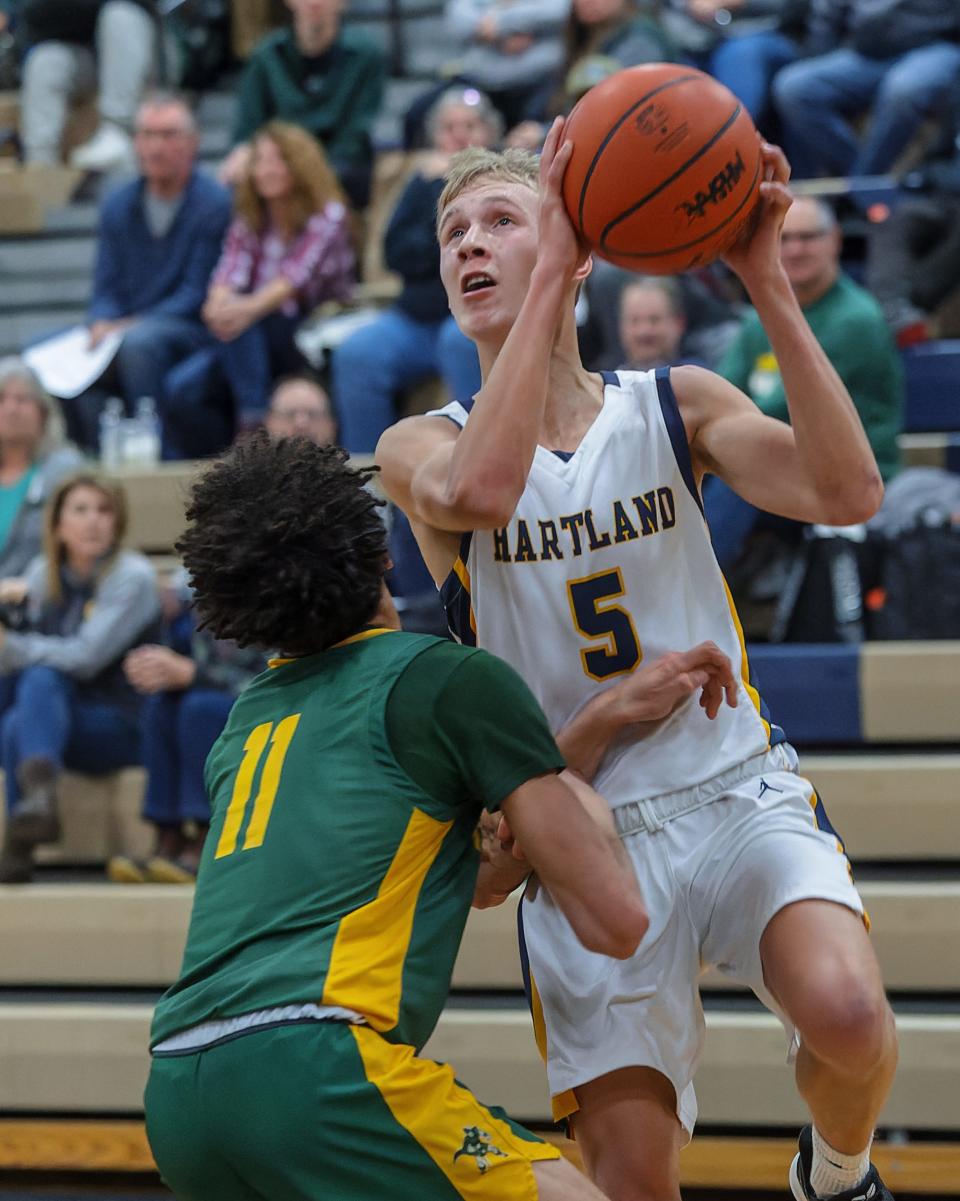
x,y
34,457
66,627
288,248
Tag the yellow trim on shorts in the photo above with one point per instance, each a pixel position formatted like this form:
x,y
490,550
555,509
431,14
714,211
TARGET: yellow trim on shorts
x,y
440,1114
814,800
744,663
563,1104
366,963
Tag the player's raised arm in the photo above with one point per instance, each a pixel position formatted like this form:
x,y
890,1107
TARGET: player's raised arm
x,y
820,467
510,260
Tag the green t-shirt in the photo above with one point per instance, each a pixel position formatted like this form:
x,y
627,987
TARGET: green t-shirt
x,y
849,325
11,502
341,858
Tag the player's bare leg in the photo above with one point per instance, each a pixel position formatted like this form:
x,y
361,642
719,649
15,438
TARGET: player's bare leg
x,y
629,1135
820,966
558,1180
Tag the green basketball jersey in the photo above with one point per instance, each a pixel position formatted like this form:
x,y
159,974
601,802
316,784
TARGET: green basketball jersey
x,y
329,875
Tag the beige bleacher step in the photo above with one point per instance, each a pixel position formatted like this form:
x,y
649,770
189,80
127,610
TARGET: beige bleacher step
x,y
895,807
924,450
75,1058
132,935
908,691
100,816
156,496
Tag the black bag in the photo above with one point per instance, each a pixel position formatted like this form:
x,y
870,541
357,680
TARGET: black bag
x,y
918,595
822,599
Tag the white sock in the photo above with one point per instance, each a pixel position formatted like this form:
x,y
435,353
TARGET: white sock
x,y
833,1172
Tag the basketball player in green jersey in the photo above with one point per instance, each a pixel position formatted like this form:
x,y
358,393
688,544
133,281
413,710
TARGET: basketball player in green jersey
x,y
341,864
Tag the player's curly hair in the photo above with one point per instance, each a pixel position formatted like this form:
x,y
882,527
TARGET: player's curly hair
x,y
284,546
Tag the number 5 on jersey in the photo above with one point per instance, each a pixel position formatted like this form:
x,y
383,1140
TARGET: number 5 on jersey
x,y
279,737
596,619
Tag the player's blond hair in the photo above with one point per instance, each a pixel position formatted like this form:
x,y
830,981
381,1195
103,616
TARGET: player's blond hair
x,y
476,164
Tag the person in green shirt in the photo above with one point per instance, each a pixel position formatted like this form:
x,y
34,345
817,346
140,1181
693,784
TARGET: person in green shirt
x,y
341,863
850,327
319,75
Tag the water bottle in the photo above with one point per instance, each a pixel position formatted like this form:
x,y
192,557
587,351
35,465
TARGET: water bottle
x,y
142,441
111,422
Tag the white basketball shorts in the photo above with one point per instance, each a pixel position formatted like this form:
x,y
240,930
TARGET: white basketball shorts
x,y
715,862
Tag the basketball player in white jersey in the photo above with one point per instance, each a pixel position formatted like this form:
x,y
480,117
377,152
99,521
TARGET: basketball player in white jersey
x,y
560,513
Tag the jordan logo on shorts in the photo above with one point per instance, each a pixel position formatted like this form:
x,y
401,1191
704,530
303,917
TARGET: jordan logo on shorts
x,y
765,788
477,1143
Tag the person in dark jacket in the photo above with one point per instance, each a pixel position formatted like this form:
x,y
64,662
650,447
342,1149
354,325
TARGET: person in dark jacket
x,y
416,337
896,59
913,256
80,48
327,79
159,240
66,701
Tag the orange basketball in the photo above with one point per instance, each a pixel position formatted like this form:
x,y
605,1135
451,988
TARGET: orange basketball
x,y
665,168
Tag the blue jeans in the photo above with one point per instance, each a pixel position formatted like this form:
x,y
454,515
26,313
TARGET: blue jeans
x,y
817,97
730,519
179,728
395,352
747,65
253,361
46,718
150,348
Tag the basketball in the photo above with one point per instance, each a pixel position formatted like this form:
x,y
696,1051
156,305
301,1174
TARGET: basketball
x,y
665,168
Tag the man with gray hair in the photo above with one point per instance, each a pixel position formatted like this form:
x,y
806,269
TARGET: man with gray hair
x,y
849,325
158,242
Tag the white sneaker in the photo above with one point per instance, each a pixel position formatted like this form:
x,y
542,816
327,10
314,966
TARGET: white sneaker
x,y
109,149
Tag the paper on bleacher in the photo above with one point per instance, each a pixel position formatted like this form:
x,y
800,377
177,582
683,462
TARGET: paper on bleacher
x,y
65,363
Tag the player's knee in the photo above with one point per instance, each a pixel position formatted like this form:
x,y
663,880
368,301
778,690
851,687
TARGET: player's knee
x,y
651,1186
848,1023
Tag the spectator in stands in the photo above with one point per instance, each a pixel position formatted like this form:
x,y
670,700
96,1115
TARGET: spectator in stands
x,y
158,241
602,36
849,326
894,59
34,458
83,605
743,45
327,79
711,315
188,690
913,255
416,337
652,324
301,408
288,248
510,51
77,49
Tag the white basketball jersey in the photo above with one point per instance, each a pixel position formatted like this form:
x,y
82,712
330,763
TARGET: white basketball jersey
x,y
606,564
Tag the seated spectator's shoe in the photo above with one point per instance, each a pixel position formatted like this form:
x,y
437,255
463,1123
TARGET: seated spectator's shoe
x,y
16,862
871,1188
34,818
913,334
163,870
110,149
124,869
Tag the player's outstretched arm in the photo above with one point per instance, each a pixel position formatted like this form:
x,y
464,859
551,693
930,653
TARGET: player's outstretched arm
x,y
578,858
649,694
820,467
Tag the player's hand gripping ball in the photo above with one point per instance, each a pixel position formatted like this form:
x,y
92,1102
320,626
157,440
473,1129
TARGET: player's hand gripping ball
x,y
665,170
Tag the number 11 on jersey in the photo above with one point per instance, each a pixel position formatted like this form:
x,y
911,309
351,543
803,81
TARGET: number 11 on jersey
x,y
279,737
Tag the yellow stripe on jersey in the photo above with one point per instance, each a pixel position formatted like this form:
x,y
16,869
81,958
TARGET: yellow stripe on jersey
x,y
462,572
361,637
366,964
565,1103
252,750
478,1152
744,665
